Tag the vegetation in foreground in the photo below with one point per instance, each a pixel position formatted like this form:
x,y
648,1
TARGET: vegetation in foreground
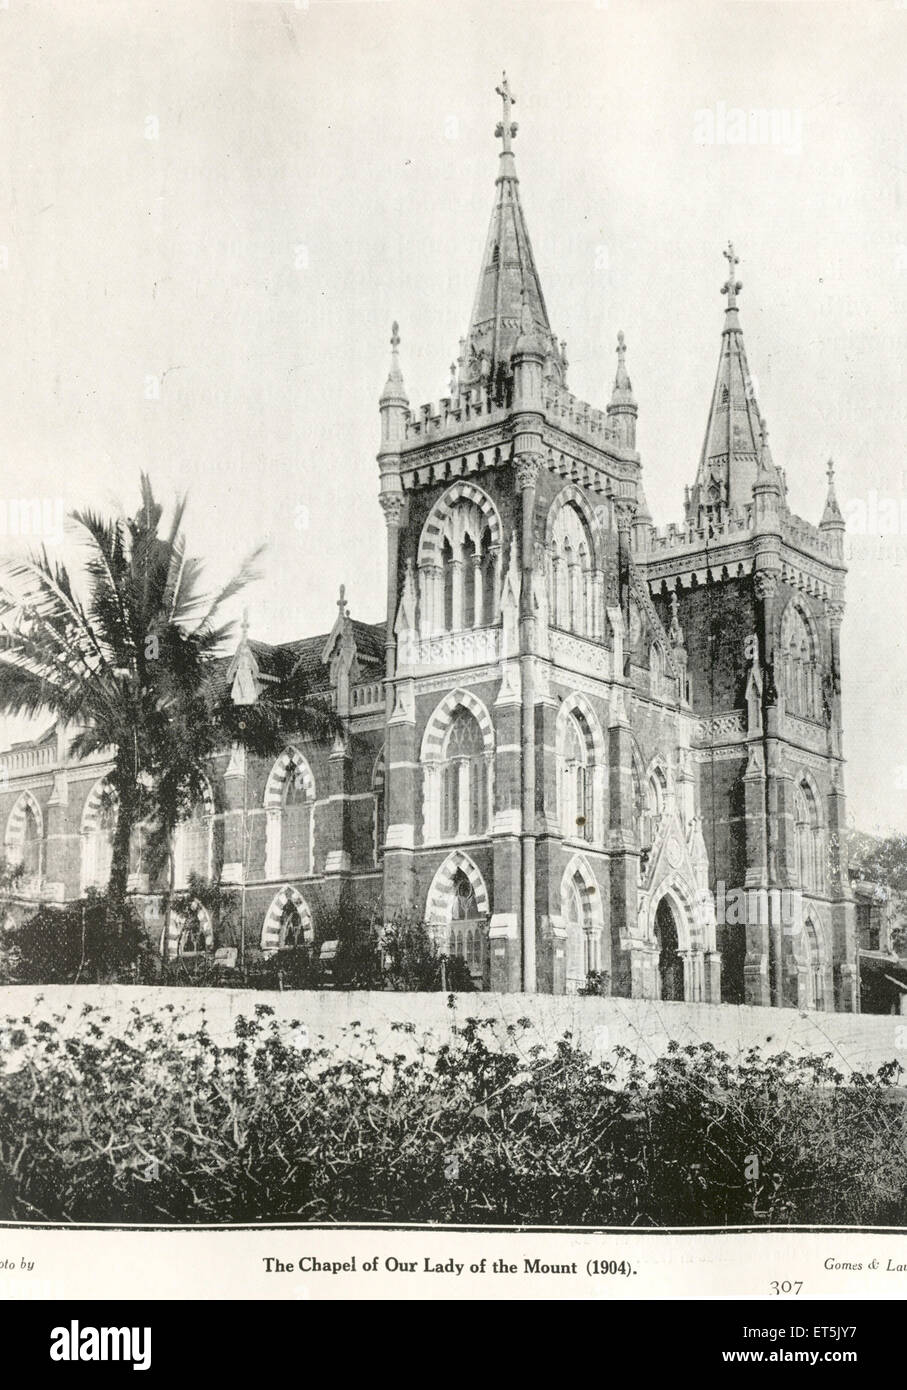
x,y
153,1123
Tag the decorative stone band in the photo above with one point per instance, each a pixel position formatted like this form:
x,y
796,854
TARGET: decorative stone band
x,y
721,728
448,650
575,654
805,731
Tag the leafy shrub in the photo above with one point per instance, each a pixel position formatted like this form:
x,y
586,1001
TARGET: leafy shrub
x,y
85,941
157,1124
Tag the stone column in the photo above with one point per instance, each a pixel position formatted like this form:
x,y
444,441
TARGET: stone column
x,y
528,467
60,864
399,737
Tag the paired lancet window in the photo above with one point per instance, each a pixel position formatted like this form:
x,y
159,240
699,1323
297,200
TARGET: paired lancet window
x,y
464,778
571,574
459,563
801,671
577,760
808,839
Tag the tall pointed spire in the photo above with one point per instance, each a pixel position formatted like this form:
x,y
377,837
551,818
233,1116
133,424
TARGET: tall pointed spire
x,y
508,280
832,518
622,409
733,445
394,389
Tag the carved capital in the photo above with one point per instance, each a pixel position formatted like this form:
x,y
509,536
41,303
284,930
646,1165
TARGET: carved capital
x,y
527,467
392,504
835,611
766,584
624,512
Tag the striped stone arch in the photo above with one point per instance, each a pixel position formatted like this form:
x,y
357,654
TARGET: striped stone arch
x,y
682,898
175,935
270,931
91,811
571,495
440,894
441,718
578,872
290,763
433,530
796,608
15,825
579,702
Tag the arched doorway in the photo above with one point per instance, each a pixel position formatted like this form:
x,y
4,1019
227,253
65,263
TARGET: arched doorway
x,y
670,964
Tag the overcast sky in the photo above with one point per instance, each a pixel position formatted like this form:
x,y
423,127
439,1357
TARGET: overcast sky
x,y
210,213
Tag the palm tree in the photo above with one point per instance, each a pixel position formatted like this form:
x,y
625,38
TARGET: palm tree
x,y
136,666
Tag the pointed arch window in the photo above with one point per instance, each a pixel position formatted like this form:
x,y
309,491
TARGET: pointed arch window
x,y
289,803
650,802
459,583
98,824
583,939
800,664
464,778
378,788
815,978
571,580
194,843
808,839
467,924
295,838
24,838
577,763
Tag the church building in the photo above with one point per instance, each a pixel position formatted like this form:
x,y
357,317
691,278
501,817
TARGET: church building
x,y
591,754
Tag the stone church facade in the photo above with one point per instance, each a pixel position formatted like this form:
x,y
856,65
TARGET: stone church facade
x,y
575,739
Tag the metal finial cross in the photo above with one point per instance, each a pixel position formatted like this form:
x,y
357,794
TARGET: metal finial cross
x,y
506,129
830,472
395,335
731,286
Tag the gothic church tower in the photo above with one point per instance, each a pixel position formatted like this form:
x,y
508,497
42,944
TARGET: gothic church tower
x,y
760,595
541,802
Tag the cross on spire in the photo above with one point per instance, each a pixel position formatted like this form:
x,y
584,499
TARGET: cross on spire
x,y
506,129
341,602
830,472
731,286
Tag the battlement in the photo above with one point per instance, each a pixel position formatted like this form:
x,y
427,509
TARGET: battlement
x,y
476,407
734,526
805,536
452,414
674,537
579,417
